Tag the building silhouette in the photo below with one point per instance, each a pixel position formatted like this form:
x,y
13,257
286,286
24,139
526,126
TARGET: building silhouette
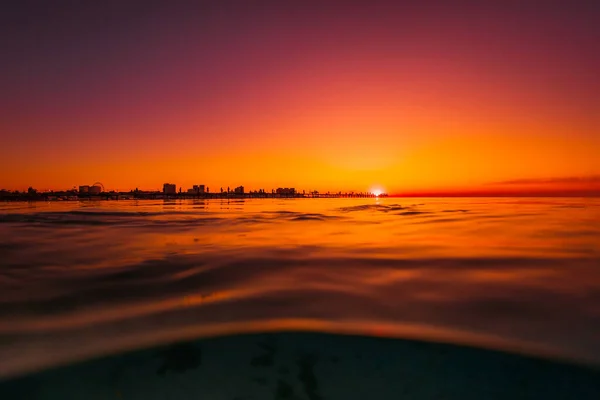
x,y
169,188
286,191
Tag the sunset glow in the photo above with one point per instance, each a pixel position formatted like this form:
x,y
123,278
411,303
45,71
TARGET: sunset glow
x,y
421,98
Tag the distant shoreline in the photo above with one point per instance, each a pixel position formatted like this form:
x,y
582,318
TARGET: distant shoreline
x,y
180,196
186,196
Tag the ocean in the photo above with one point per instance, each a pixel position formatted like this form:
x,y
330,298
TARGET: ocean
x,y
86,282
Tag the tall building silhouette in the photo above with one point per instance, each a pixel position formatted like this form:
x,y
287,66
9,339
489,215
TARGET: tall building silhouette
x,y
169,188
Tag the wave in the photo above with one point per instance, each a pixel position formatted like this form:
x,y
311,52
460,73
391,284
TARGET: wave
x,y
372,207
147,218
516,297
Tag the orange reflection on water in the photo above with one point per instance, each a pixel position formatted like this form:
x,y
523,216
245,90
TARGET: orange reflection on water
x,y
520,273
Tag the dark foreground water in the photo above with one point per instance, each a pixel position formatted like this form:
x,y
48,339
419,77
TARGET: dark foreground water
x,y
82,280
308,366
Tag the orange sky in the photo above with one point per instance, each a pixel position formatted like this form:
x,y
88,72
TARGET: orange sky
x,y
329,98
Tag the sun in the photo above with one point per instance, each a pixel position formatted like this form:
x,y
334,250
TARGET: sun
x,y
377,191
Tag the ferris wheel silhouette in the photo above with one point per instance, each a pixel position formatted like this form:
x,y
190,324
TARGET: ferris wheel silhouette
x,y
99,184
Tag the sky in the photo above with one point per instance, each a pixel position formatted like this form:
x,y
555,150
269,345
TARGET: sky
x,y
406,96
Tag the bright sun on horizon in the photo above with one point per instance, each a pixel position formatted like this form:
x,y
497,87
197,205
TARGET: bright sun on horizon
x,y
377,191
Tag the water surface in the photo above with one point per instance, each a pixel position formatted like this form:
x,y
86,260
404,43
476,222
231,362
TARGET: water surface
x,y
84,279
